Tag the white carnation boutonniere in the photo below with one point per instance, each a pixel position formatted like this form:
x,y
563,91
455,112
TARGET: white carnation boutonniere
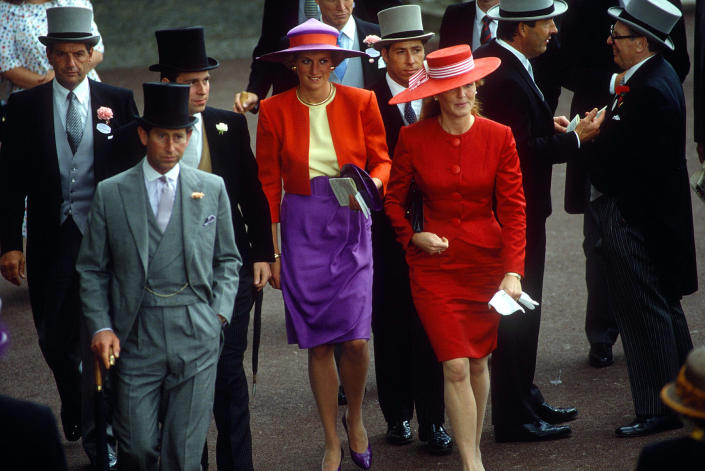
x,y
222,128
369,40
104,114
197,195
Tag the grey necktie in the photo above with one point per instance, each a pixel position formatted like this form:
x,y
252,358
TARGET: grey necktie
x,y
74,127
531,73
166,203
310,9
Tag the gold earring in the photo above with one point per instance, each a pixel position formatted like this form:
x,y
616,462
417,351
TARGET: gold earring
x,y
293,68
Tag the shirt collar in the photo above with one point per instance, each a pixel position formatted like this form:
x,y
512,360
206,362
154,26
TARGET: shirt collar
x,y
349,29
198,124
150,174
522,58
632,70
82,91
394,87
479,14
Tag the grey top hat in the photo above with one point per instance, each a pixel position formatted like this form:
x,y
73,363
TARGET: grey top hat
x,y
402,23
527,10
69,25
654,18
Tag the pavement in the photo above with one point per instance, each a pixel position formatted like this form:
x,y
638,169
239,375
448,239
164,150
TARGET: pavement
x,y
285,427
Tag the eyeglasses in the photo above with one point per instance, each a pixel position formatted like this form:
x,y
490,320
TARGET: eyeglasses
x,y
616,37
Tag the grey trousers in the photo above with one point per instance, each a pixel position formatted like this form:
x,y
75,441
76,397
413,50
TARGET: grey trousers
x,y
166,374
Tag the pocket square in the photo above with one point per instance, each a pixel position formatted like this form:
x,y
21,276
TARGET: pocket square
x,y
209,220
616,117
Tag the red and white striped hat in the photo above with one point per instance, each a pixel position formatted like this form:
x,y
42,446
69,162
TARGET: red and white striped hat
x,y
446,69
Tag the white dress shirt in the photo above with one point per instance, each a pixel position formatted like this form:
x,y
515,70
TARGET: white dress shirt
x,y
396,89
194,150
628,74
477,30
61,103
154,185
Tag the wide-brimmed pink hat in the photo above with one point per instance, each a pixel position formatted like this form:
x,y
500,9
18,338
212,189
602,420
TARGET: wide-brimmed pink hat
x,y
446,69
311,35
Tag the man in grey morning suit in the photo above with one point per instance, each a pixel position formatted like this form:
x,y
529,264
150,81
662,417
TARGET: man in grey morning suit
x,y
158,268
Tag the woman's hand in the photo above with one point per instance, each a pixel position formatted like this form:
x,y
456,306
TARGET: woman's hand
x,y
430,242
275,280
353,204
378,183
511,285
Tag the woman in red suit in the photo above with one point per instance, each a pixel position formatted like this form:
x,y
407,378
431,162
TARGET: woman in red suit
x,y
304,137
473,237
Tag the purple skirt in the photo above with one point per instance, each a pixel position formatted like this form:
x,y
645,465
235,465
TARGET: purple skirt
x,y
326,275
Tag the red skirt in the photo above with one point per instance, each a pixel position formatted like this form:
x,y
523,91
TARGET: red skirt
x,y
451,292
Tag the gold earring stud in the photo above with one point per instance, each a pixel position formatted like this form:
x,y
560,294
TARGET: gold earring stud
x,y
293,68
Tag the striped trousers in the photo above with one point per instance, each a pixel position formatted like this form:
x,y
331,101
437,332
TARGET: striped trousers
x,y
653,328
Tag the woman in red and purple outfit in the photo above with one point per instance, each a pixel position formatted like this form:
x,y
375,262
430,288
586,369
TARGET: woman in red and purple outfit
x,y
473,238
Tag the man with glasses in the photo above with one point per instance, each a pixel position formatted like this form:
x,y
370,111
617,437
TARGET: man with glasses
x,y
640,196
591,73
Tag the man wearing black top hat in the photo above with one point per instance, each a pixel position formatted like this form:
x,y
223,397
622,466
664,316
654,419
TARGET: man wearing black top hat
x,y
158,268
220,144
641,196
58,144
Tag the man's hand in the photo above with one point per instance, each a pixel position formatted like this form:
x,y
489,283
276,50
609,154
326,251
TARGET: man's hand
x,y
560,124
430,242
701,152
262,274
589,127
511,285
12,266
104,344
244,101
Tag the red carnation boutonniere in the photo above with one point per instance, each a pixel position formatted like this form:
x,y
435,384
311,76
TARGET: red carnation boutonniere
x,y
621,90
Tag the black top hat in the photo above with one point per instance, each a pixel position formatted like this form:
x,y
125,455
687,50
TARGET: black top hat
x,y
69,25
182,50
166,106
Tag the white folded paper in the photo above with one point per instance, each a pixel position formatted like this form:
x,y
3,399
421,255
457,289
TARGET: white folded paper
x,y
343,188
505,305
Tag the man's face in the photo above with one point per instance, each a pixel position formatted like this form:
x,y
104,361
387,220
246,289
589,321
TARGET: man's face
x,y
536,37
164,146
71,62
335,12
403,60
624,50
200,88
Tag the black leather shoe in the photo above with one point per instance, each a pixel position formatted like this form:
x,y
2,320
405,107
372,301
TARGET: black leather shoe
x,y
439,442
399,433
600,355
648,425
72,430
556,415
533,432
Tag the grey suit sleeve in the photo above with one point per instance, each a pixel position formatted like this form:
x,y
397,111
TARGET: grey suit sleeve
x,y
226,259
93,267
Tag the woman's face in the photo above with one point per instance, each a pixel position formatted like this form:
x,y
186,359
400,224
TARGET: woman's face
x,y
458,102
313,69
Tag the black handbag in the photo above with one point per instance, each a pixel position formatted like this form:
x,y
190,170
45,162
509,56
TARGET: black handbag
x,y
414,207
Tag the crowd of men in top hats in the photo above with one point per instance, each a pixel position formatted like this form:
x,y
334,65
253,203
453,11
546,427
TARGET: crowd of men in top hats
x,y
145,262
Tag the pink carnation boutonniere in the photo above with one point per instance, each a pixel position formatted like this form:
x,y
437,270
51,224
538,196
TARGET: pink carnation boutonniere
x,y
369,40
104,114
197,195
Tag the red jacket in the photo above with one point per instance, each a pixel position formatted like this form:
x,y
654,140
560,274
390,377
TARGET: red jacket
x,y
458,176
282,140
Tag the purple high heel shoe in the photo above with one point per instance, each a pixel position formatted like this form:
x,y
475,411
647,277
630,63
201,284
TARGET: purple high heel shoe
x,y
362,460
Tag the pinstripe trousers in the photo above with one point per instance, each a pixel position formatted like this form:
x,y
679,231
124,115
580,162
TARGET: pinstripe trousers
x,y
653,328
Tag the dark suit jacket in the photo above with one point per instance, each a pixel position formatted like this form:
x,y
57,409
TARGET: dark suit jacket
x,y
699,59
232,159
390,113
29,167
639,159
588,66
278,18
457,25
371,73
683,454
510,97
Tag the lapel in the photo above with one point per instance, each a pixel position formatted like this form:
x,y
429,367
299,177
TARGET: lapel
x,y
98,99
391,115
46,102
134,201
192,210
370,70
510,60
212,137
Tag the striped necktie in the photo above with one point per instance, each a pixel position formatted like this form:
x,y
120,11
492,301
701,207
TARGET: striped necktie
x,y
485,33
74,127
310,9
